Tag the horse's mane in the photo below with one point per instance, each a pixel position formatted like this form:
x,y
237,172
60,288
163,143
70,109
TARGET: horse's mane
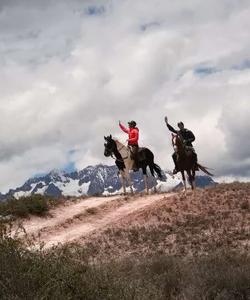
x,y
117,141
177,137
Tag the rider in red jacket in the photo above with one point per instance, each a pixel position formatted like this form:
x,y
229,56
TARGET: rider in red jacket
x,y
133,137
132,131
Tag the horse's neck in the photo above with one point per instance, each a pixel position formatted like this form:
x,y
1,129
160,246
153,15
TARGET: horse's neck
x,y
124,152
117,153
122,149
180,147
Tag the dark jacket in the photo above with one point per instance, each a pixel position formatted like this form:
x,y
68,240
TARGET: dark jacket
x,y
187,135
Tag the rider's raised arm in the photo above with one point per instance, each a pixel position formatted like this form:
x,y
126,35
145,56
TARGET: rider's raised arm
x,y
171,128
123,128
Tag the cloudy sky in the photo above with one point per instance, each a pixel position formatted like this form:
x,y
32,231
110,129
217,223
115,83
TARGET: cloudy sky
x,y
69,70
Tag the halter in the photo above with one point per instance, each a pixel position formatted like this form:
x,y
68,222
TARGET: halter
x,y
120,160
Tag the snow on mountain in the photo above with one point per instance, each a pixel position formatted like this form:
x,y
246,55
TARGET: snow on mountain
x,y
94,180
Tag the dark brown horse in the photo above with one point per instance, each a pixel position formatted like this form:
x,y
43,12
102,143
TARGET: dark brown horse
x,y
186,161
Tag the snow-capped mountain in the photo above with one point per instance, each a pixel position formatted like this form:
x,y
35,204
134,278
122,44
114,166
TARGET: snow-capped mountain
x,y
93,180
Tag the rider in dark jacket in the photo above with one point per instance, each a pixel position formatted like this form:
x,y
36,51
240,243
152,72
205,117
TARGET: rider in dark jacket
x,y
187,137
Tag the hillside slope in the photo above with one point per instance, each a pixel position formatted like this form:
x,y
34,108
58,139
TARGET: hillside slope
x,y
137,225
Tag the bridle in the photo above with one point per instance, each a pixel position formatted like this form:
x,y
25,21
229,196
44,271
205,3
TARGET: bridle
x,y
112,153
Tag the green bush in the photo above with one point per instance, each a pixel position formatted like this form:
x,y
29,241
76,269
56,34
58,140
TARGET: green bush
x,y
24,206
69,273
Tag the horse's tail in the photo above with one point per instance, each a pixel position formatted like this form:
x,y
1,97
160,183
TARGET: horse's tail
x,y
204,169
149,160
157,169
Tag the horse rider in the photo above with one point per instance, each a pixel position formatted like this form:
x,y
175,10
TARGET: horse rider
x,y
187,137
133,137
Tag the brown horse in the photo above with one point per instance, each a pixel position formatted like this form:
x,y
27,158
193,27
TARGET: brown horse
x,y
186,161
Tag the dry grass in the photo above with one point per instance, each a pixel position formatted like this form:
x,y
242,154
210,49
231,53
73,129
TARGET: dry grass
x,y
180,248
68,272
202,222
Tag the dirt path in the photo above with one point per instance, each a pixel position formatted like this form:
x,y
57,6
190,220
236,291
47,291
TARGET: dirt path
x,y
65,225
61,213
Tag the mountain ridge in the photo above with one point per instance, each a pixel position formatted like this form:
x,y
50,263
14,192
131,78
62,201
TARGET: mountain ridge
x,y
94,180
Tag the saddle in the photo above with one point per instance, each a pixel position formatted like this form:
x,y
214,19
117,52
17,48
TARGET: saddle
x,y
141,154
190,150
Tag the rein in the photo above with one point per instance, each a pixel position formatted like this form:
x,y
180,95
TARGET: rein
x,y
120,160
123,146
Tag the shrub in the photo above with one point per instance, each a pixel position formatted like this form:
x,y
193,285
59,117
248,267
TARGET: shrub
x,y
92,210
68,273
245,205
22,207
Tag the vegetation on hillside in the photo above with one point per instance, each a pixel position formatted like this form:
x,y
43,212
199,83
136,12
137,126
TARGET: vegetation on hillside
x,y
69,273
201,223
24,206
189,248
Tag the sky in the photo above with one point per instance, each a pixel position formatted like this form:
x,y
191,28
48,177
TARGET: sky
x,y
70,70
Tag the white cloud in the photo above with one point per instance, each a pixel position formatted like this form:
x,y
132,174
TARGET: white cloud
x,y
67,77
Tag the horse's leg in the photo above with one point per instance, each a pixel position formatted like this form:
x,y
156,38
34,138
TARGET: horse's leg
x,y
193,177
184,180
123,181
144,171
146,183
151,167
129,182
190,179
155,190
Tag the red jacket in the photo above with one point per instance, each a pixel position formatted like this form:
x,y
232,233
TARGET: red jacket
x,y
133,134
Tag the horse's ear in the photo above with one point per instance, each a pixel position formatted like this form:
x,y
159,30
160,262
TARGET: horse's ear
x,y
105,138
110,136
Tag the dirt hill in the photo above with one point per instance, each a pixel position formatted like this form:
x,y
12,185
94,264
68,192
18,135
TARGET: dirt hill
x,y
155,247
172,223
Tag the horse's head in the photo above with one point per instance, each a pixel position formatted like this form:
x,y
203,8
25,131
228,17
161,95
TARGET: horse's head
x,y
177,142
109,145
